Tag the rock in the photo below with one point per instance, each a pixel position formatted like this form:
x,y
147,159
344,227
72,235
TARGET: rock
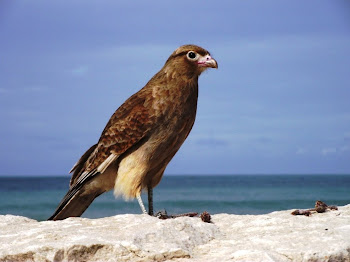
x,y
278,236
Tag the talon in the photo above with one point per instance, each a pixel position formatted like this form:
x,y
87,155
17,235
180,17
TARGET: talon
x,y
162,214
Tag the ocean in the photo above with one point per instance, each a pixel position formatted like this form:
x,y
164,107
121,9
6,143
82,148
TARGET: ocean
x,y
38,197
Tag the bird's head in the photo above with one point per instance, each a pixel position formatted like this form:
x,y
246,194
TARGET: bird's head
x,y
189,60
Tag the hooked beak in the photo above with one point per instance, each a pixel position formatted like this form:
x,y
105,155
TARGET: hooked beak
x,y
207,61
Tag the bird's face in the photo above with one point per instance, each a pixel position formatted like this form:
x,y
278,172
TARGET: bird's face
x,y
203,60
190,60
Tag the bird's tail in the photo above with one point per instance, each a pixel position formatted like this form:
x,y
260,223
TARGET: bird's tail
x,y
74,203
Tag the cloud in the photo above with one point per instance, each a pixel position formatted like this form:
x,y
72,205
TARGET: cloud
x,y
35,88
212,142
335,150
264,140
344,148
80,70
328,151
301,151
131,53
4,91
30,89
347,136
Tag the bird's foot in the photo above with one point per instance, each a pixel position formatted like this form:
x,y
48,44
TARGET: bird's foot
x,y
162,214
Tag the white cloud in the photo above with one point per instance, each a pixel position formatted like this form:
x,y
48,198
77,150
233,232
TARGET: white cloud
x,y
344,148
80,70
301,151
30,89
328,151
34,89
347,136
4,91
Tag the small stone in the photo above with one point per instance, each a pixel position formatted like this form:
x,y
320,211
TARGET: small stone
x,y
205,216
301,212
320,209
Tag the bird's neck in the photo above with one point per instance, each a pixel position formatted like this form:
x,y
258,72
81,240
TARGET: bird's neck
x,y
173,94
180,86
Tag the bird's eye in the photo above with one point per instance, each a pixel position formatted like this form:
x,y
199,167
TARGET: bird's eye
x,y
191,55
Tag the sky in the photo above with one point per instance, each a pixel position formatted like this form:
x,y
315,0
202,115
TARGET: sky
x,y
278,104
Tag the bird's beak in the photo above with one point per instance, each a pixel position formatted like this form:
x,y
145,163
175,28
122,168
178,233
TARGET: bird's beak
x,y
207,61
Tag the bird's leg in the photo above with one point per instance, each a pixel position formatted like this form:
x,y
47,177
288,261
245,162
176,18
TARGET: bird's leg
x,y
150,199
139,199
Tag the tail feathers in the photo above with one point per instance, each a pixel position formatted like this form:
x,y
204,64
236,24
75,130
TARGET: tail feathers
x,y
74,203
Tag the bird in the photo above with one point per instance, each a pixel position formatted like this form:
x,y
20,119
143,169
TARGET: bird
x,y
141,137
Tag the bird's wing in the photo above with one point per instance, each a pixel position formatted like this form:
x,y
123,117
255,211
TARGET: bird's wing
x,y
127,127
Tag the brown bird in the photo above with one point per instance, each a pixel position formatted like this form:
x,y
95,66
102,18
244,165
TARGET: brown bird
x,y
141,137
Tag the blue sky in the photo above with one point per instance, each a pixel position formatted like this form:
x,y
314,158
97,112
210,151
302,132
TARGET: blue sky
x,y
279,102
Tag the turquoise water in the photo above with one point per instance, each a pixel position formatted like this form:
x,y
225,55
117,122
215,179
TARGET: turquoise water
x,y
38,197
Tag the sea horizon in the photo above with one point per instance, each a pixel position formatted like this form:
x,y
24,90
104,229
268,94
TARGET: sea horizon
x,y
38,196
233,174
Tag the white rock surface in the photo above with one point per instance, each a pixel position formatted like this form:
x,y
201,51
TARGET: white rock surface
x,y
277,236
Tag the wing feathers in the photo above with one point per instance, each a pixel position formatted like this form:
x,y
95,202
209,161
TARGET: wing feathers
x,y
130,123
77,168
101,168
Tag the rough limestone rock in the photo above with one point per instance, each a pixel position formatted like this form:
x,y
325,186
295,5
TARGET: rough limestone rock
x,y
277,236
